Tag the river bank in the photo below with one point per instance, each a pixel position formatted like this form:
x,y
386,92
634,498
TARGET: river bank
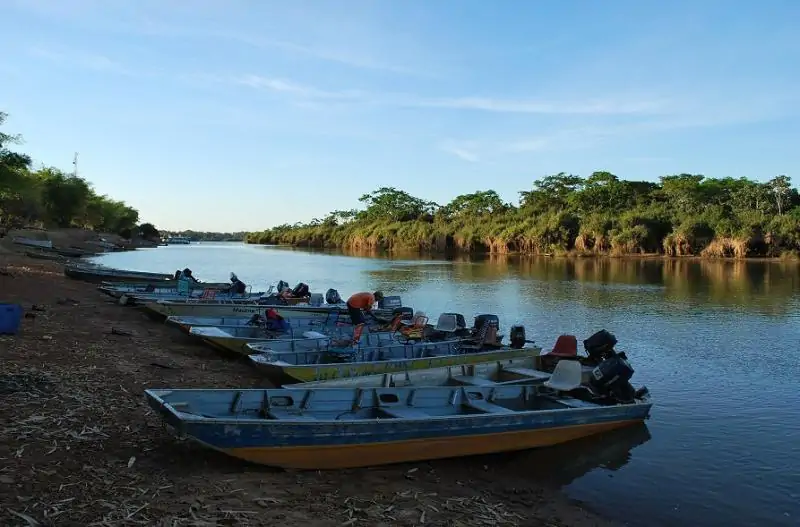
x,y
81,446
483,252
70,239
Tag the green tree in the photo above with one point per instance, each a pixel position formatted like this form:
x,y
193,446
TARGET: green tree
x,y
390,203
550,192
51,198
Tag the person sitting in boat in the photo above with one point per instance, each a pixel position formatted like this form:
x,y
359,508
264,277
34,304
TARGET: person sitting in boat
x,y
275,322
186,274
237,286
361,303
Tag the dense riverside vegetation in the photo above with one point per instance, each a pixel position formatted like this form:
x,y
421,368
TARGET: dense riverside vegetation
x,y
48,197
202,236
685,214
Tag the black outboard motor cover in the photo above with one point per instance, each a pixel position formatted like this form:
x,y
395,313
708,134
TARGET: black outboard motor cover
x,y
517,337
482,320
300,290
390,302
612,376
332,297
407,313
600,346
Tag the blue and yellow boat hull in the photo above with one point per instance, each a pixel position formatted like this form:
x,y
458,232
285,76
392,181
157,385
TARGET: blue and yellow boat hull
x,y
301,441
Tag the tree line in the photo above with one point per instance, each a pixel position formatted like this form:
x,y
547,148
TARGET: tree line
x,y
680,215
202,236
48,197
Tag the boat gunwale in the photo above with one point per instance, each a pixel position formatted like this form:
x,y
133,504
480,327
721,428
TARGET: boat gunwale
x,y
276,363
187,417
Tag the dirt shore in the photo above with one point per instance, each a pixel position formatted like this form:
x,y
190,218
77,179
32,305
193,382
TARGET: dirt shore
x,y
79,446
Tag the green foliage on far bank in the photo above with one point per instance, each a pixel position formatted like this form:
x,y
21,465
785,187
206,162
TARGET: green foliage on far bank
x,y
685,214
48,197
202,236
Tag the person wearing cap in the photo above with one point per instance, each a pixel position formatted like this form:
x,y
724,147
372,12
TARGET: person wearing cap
x,y
361,303
237,286
186,274
275,322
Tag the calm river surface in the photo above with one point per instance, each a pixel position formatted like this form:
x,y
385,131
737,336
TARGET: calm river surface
x,y
717,344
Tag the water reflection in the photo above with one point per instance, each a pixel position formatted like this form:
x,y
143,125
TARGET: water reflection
x,y
606,283
562,464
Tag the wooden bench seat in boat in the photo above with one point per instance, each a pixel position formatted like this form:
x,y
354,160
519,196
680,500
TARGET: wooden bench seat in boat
x,y
473,381
575,403
528,372
487,407
403,412
286,416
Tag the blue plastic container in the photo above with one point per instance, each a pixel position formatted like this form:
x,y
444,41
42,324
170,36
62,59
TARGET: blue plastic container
x,y
10,317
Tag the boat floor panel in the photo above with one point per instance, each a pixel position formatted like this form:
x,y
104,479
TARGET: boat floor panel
x,y
405,413
292,417
528,372
473,381
488,407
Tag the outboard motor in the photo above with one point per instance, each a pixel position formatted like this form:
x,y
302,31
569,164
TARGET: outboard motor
x,y
390,302
612,378
516,337
405,312
482,320
600,346
332,297
300,290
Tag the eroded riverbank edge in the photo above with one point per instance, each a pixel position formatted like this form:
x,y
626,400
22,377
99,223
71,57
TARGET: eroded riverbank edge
x,y
79,446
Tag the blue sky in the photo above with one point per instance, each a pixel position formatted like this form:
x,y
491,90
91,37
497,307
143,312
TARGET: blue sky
x,y
240,115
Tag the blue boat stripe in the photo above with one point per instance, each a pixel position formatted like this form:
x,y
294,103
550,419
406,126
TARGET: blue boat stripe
x,y
268,433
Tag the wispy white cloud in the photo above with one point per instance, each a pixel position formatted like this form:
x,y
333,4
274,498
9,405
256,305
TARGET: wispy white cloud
x,y
90,61
485,104
500,105
296,89
326,54
323,33
464,150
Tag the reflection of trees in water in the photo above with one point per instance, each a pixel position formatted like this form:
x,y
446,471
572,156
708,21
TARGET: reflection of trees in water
x,y
601,282
767,285
562,464
603,270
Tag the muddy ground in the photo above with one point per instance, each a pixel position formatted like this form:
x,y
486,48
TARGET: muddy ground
x,y
79,446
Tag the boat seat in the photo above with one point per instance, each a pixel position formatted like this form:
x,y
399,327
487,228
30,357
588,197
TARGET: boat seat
x,y
576,403
405,413
529,372
567,376
316,299
286,416
473,381
488,407
566,346
450,323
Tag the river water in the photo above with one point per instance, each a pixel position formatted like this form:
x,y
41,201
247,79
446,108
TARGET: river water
x,y
717,343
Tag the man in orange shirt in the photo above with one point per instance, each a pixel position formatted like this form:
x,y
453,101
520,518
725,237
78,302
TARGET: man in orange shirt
x,y
360,303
